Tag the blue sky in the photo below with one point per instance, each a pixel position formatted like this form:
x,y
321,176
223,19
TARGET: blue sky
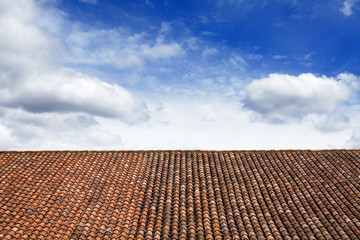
x,y
301,36
217,74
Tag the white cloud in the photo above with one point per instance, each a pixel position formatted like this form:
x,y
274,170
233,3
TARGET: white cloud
x,y
50,121
333,123
101,46
118,47
7,141
281,97
32,79
11,8
347,7
212,121
162,51
68,91
189,121
354,140
44,105
20,129
349,79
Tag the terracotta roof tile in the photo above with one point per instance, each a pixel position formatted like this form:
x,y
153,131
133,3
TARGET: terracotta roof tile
x,y
290,194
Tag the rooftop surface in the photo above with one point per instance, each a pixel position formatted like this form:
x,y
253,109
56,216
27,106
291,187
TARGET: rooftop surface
x,y
180,194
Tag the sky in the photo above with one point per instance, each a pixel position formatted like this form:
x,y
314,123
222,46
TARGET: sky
x,y
150,74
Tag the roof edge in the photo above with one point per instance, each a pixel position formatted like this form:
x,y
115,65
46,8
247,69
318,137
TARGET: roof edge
x,y
184,150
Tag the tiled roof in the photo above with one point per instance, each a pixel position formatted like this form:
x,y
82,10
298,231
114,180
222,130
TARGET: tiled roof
x,y
180,195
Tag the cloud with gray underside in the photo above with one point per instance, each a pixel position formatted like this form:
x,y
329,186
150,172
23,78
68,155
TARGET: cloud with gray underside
x,y
32,78
283,97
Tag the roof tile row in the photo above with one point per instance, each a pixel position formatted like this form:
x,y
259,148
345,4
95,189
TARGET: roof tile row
x,y
180,195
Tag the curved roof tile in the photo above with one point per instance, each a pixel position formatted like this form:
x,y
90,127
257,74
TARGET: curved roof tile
x,y
289,194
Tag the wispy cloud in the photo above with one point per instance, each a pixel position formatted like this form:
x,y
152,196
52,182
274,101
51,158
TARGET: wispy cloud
x,y
238,61
118,47
347,8
253,56
209,51
89,1
162,51
279,57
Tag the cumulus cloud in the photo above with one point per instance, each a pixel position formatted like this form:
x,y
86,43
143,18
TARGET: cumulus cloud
x,y
184,122
69,91
44,105
32,78
282,97
348,6
25,126
349,79
15,118
20,129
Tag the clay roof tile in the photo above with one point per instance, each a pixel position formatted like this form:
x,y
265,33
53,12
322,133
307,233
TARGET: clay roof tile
x,y
289,194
